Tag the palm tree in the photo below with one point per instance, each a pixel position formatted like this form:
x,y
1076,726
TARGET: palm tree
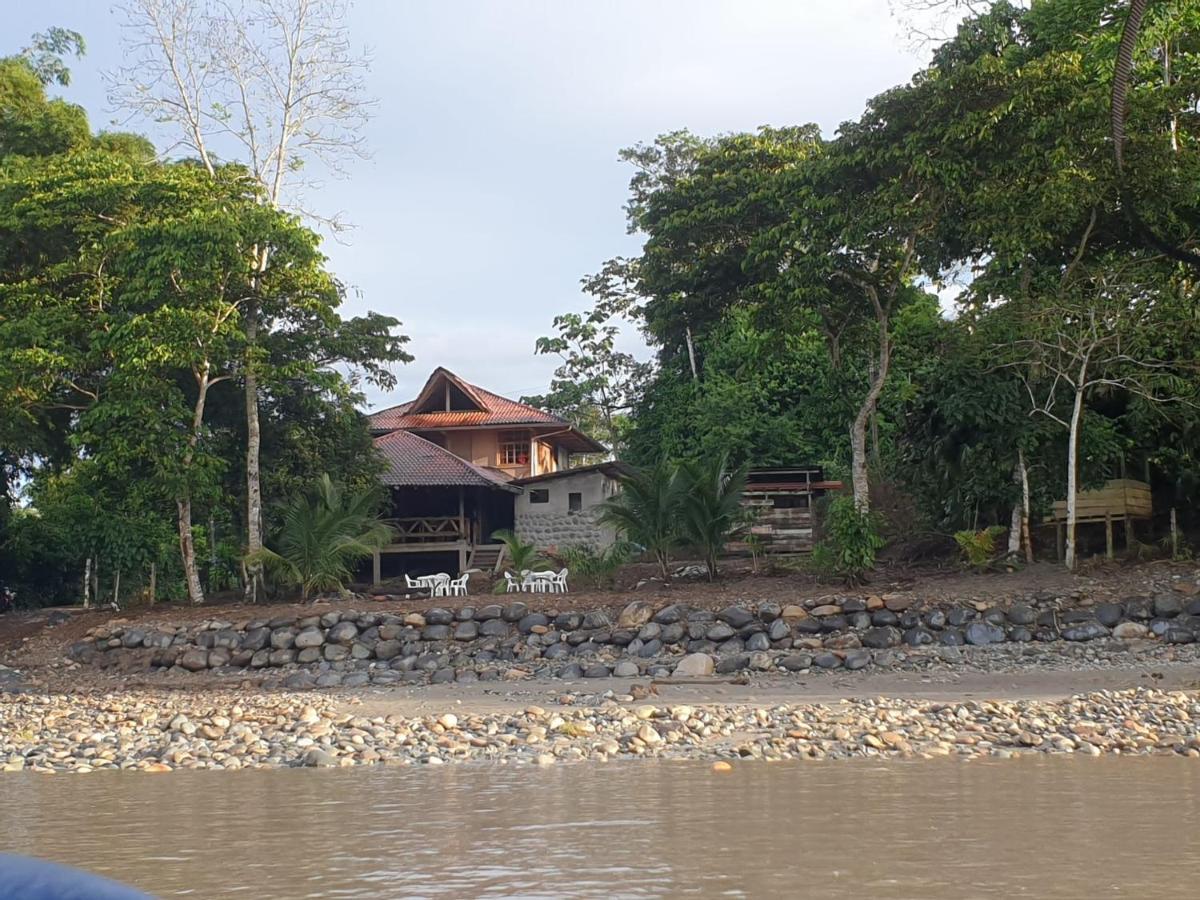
x,y
322,535
711,513
646,511
522,555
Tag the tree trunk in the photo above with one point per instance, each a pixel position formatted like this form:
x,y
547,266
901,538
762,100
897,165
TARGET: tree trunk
x,y
254,541
1014,531
87,577
153,582
187,550
1025,532
117,590
859,481
1073,475
187,547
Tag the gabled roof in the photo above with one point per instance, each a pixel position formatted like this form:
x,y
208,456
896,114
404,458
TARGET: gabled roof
x,y
489,410
413,461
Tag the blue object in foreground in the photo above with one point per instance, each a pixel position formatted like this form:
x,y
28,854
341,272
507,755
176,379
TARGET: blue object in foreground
x,y
22,878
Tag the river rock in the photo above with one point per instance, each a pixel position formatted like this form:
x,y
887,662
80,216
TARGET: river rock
x,y
1084,631
881,638
310,637
1109,614
982,633
1167,606
695,665
1022,614
194,659
635,614
736,617
466,631
730,664
796,662
721,631
1128,631
626,669
827,661
342,633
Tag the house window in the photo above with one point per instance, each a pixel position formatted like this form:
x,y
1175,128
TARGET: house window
x,y
574,502
514,448
539,495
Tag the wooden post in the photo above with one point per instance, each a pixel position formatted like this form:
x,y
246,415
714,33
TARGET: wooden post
x,y
1108,535
462,557
1174,535
153,582
375,568
1062,539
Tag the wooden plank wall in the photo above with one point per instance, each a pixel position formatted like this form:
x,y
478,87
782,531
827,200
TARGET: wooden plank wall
x,y
1119,498
781,530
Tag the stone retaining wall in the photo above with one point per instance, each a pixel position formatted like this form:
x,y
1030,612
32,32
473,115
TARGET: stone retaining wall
x,y
510,641
563,529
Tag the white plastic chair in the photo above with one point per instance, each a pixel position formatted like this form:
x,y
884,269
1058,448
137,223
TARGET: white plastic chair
x,y
457,587
512,584
559,580
440,585
414,584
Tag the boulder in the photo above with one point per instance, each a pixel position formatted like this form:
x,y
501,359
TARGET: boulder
x,y
626,669
342,633
880,638
827,609
439,616
635,614
1084,631
1167,606
736,617
1110,614
463,631
734,663
980,634
796,662
194,659
310,637
1130,631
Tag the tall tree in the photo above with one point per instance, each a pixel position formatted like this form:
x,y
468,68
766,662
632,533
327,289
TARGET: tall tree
x,y
274,83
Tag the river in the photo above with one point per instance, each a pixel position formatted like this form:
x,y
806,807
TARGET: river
x,y
1044,828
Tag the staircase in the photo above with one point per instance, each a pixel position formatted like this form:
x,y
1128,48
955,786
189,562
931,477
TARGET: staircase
x,y
486,557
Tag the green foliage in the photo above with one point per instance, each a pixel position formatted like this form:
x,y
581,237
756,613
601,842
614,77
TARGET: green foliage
x,y
711,512
322,536
850,541
596,385
594,567
646,511
521,555
979,547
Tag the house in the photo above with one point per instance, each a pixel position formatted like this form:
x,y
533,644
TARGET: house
x,y
457,460
562,508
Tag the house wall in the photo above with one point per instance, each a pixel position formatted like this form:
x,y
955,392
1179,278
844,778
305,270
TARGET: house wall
x,y
553,524
482,447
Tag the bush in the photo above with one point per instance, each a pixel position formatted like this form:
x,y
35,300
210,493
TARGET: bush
x,y
979,547
597,568
851,540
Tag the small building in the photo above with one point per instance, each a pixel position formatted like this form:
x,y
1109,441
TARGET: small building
x,y
1123,500
453,459
562,509
782,500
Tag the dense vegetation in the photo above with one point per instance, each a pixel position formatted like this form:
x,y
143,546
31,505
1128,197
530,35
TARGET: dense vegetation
x,y
124,348
788,283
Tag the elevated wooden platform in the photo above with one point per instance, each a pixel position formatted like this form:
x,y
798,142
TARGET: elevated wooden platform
x,y
1121,500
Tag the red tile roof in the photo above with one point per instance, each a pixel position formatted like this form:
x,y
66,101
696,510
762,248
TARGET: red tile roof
x,y
413,461
497,412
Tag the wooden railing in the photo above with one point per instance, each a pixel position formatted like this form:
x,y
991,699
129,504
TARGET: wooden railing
x,y
420,529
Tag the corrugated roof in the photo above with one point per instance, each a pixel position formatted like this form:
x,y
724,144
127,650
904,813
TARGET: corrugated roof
x,y
611,468
413,461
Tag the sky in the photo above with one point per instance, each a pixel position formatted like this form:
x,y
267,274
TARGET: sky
x,y
493,184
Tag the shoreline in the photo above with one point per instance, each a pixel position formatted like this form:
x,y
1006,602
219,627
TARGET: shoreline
x,y
151,730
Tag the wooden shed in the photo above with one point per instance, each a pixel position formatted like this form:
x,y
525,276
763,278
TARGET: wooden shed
x,y
782,500
1121,500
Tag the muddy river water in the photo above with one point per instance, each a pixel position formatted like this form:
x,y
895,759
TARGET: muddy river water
x,y
1044,828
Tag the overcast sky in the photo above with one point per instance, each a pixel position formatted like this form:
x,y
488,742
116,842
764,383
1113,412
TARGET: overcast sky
x,y
494,184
